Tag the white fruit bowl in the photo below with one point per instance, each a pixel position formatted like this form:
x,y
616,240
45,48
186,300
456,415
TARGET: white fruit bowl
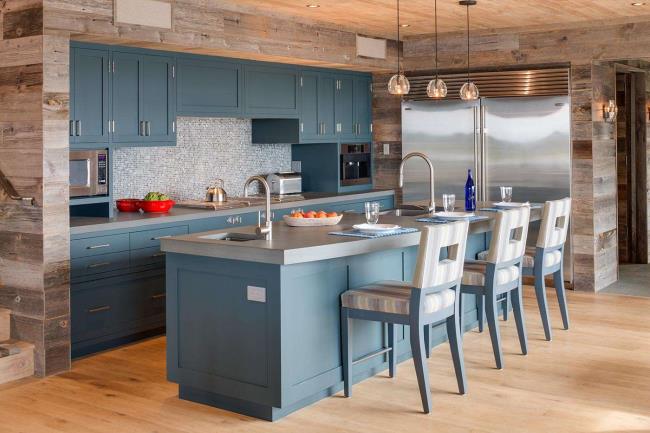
x,y
311,222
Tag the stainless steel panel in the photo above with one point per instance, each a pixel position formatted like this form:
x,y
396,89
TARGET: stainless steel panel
x,y
445,131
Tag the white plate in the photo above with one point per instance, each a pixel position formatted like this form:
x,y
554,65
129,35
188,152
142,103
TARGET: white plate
x,y
453,215
376,228
510,204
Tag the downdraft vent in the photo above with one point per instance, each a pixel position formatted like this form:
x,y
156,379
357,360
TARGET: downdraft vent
x,y
533,82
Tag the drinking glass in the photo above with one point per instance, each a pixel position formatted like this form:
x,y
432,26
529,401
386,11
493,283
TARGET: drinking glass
x,y
506,194
448,202
372,212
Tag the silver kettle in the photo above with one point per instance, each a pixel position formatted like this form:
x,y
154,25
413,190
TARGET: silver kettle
x,y
216,193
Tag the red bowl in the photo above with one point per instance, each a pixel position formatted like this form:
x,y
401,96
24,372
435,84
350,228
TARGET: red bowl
x,y
127,205
156,205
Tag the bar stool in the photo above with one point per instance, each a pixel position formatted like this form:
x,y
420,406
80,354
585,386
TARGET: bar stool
x,y
547,257
432,297
500,274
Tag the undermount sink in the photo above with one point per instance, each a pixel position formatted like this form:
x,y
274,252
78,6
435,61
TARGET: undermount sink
x,y
233,237
406,210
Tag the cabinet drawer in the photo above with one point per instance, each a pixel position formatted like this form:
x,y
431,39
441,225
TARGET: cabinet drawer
x,y
151,238
147,256
99,245
96,264
93,313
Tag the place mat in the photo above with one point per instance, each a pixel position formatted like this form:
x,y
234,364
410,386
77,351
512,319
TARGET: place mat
x,y
437,220
358,234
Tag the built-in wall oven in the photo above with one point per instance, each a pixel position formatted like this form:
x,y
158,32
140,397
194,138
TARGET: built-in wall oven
x,y
355,164
88,173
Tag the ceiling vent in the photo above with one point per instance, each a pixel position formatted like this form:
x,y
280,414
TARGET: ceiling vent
x,y
372,48
149,13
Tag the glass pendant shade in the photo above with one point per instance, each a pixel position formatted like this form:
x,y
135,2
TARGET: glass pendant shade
x,y
399,85
469,92
436,88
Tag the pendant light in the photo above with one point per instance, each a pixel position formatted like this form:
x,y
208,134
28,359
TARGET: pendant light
x,y
469,91
437,88
398,83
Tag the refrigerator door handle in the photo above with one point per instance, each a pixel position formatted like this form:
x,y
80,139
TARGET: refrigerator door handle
x,y
477,153
484,156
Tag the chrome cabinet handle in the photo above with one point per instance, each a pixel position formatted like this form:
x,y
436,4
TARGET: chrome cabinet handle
x,y
156,255
95,247
141,128
98,265
161,237
99,309
79,127
159,296
72,129
148,128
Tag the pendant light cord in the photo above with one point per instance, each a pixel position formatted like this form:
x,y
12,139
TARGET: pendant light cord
x,y
399,64
468,78
435,13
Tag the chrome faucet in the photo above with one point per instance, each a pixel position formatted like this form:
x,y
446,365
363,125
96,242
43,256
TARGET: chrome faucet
x,y
267,230
432,202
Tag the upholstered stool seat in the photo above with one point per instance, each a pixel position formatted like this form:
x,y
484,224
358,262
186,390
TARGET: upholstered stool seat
x,y
394,297
551,258
474,274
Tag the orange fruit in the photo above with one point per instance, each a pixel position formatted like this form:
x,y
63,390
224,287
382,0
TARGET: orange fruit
x,y
296,215
332,215
310,214
321,214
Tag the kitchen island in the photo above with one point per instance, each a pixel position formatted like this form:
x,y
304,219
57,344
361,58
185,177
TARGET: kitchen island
x,y
253,326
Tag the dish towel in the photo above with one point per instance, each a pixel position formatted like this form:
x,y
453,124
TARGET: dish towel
x,y
438,220
358,234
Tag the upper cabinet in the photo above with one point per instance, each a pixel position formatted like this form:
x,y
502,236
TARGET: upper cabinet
x,y
271,91
317,113
207,87
363,107
89,116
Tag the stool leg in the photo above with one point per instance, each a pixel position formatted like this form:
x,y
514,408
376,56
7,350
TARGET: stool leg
x,y
480,304
346,344
540,292
392,359
493,326
460,312
421,369
558,280
427,340
456,345
518,310
506,307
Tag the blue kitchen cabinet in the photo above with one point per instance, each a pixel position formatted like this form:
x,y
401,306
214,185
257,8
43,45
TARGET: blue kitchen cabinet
x,y
207,87
158,99
317,113
89,115
271,91
126,98
345,120
363,108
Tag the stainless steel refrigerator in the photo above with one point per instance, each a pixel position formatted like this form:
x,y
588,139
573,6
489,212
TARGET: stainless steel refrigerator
x,y
522,142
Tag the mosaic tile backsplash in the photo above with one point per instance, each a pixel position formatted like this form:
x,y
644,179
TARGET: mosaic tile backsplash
x,y
206,149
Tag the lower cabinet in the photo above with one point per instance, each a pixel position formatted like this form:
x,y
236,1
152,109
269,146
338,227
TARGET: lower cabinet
x,y
115,310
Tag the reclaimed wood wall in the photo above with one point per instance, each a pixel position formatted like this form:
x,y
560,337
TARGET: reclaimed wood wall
x,y
589,50
34,251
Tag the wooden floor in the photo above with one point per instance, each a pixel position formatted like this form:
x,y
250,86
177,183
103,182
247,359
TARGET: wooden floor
x,y
593,378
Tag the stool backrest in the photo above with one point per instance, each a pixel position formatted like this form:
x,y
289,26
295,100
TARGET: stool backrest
x,y
509,235
555,223
430,270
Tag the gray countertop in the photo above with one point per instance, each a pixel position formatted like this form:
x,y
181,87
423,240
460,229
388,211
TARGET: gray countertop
x,y
126,220
292,245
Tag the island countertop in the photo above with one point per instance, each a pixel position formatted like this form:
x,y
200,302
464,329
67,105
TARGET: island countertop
x,y
292,245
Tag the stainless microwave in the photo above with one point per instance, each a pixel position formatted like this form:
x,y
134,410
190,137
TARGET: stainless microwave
x,y
88,173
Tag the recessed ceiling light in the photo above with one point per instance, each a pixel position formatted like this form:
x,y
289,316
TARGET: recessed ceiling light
x,y
405,25
313,6
638,4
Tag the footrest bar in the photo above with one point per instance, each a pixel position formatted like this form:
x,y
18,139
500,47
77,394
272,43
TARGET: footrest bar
x,y
372,355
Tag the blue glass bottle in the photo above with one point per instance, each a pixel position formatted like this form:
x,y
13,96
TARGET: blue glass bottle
x,y
470,193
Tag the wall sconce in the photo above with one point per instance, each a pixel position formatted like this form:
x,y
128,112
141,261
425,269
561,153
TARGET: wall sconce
x,y
610,111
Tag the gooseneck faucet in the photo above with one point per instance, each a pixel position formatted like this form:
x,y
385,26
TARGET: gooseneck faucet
x,y
432,202
267,230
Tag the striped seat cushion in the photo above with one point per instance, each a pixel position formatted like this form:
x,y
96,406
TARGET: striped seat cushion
x,y
474,274
393,297
551,258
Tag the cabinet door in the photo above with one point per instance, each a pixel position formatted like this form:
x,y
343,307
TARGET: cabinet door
x,y
89,96
309,125
127,94
345,107
271,91
157,106
208,88
326,105
363,107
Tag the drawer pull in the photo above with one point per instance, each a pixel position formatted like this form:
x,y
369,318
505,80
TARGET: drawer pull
x,y
157,238
95,247
159,296
99,309
98,265
157,255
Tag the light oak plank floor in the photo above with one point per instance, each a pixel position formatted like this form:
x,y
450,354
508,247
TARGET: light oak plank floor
x,y
593,378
